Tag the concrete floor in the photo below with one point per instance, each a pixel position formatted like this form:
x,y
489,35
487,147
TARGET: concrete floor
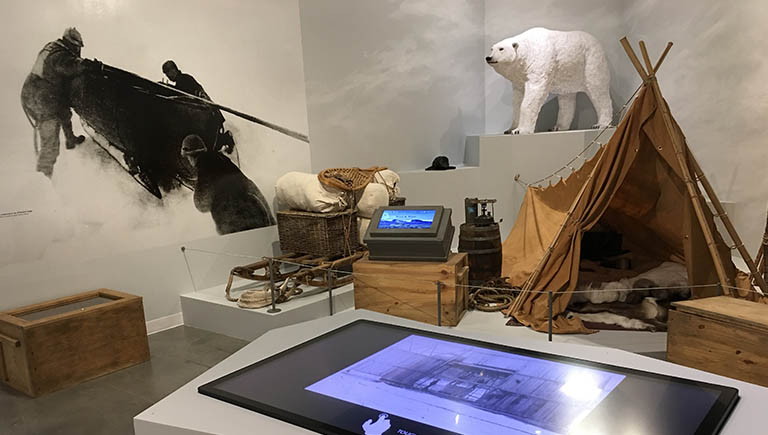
x,y
108,404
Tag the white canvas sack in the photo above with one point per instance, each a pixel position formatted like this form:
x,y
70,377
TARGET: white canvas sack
x,y
390,179
362,227
301,191
374,196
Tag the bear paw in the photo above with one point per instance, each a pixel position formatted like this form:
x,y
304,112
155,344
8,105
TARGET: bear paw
x,y
518,131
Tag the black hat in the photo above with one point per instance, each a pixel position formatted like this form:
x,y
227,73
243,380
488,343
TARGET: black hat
x,y
440,163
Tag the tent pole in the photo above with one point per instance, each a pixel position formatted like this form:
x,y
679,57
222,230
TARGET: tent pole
x,y
761,252
663,56
633,58
728,225
647,59
692,190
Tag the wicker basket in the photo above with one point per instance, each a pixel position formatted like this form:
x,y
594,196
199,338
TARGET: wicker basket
x,y
324,234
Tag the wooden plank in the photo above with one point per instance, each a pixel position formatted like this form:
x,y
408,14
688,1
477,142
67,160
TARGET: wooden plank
x,y
10,341
7,319
409,289
90,344
738,312
114,294
462,279
718,347
14,358
3,371
29,309
368,296
404,298
106,306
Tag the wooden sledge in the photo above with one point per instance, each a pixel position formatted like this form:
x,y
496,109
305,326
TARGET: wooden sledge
x,y
312,271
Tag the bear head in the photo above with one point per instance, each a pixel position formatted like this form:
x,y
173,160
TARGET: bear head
x,y
503,53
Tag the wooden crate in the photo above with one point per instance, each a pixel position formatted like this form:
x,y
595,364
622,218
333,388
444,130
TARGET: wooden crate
x,y
721,335
408,288
63,342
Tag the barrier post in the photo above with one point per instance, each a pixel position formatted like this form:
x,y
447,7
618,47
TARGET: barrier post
x,y
439,303
274,309
549,328
329,279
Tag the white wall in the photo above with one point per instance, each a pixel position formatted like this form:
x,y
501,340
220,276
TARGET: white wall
x,y
392,82
714,80
602,18
90,227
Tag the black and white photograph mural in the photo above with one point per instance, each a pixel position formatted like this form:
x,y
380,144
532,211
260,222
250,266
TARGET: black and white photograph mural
x,y
136,124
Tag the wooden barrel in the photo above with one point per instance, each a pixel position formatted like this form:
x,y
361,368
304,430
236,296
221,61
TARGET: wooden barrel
x,y
482,243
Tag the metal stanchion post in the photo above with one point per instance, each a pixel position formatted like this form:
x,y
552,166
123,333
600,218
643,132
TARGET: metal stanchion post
x,y
439,303
549,295
189,269
274,309
330,290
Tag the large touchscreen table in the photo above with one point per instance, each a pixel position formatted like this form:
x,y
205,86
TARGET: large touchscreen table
x,y
374,378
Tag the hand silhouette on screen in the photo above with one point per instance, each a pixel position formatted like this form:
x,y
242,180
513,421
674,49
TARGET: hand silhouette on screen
x,y
378,428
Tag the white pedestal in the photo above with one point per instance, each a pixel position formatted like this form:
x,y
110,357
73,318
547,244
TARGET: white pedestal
x,y
209,309
490,166
186,412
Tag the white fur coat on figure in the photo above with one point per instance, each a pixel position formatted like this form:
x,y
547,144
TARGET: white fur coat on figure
x,y
540,62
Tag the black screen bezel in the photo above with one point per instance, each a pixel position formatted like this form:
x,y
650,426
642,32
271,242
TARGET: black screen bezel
x,y
711,424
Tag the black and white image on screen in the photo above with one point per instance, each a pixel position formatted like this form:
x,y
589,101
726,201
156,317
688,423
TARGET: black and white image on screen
x,y
471,390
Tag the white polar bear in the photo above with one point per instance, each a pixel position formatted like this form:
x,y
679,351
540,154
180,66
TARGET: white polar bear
x,y
540,62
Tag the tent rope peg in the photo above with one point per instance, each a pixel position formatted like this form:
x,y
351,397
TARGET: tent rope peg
x,y
737,246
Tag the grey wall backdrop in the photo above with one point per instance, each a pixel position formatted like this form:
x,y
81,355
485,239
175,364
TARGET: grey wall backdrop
x,y
715,83
603,19
392,82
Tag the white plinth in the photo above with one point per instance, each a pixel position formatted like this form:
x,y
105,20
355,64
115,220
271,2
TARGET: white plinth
x,y
187,412
209,309
490,166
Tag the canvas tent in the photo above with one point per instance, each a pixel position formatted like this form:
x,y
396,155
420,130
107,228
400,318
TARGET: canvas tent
x,y
644,183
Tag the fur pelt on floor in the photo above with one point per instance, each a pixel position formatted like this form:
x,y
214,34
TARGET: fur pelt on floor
x,y
649,314
614,319
641,302
665,282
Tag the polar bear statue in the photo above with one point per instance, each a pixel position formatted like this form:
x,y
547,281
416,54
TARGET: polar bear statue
x,y
540,62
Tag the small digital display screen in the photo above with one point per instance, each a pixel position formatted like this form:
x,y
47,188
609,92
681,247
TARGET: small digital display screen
x,y
406,219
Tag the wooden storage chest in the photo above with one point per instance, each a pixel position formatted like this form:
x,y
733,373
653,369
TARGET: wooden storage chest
x,y
63,342
409,288
721,335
